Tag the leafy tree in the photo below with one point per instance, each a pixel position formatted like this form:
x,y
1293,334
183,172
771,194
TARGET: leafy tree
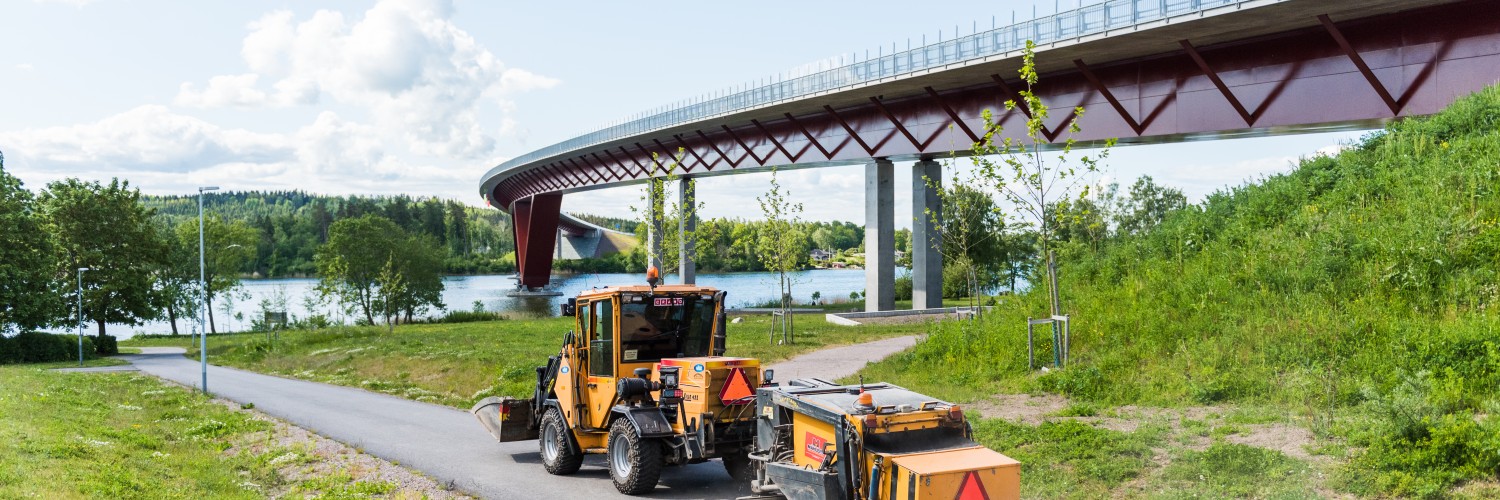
x,y
105,228
781,245
1147,205
1028,175
970,230
375,266
29,297
228,248
177,285
419,262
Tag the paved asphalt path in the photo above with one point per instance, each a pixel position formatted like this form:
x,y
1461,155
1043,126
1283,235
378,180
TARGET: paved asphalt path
x,y
449,445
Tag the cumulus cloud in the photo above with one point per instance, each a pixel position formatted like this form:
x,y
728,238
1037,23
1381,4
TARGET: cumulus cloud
x,y
419,77
147,138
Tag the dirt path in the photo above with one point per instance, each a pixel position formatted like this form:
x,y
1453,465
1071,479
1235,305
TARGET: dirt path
x,y
1284,436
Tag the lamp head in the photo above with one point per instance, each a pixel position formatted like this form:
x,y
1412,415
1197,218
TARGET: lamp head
x,y
208,188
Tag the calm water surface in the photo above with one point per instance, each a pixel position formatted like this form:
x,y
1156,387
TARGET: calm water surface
x,y
460,293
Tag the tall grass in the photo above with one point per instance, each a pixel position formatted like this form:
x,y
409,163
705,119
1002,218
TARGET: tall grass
x,y
1362,284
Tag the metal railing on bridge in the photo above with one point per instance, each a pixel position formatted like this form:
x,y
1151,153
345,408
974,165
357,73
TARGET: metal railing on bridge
x,y
1088,20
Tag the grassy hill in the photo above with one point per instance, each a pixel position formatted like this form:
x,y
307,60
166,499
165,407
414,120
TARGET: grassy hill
x,y
1358,292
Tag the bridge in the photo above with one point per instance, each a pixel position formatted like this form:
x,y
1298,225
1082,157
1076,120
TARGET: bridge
x,y
1147,70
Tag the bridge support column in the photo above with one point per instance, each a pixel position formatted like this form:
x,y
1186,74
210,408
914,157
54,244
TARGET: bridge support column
x,y
926,260
686,225
654,225
534,222
880,236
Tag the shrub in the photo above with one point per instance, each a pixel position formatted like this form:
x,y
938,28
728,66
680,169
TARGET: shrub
x,y
106,345
37,347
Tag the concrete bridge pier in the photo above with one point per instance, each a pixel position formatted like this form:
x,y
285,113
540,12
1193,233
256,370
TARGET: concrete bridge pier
x,y
686,225
926,260
880,236
654,216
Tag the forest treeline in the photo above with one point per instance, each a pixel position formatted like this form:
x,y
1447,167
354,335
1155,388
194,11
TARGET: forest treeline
x,y
290,225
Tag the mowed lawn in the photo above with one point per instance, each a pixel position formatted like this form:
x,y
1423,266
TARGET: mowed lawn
x,y
457,364
127,435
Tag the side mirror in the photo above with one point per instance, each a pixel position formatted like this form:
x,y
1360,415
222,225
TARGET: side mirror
x,y
570,308
767,376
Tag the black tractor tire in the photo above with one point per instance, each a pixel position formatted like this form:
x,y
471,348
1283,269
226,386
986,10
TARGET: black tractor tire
x,y
560,454
634,462
740,466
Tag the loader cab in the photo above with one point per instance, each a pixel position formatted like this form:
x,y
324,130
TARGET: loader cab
x,y
625,328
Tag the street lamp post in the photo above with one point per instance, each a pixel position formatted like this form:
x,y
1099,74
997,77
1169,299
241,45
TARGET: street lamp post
x,y
80,314
203,280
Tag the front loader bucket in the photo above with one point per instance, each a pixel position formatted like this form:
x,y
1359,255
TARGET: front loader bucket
x,y
508,419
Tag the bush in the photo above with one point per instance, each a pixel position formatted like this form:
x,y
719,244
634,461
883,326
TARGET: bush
x,y
106,345
903,287
37,347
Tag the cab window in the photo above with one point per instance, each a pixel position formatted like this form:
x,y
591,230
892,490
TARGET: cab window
x,y
601,335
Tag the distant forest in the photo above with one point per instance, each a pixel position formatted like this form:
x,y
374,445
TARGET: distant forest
x,y
292,224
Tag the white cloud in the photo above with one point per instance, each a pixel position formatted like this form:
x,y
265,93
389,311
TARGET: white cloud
x,y
165,152
147,138
223,91
25,67
421,79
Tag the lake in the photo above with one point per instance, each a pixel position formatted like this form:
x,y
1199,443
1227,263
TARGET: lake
x,y
460,293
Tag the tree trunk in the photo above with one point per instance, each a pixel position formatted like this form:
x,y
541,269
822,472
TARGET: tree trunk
x,y
1052,279
172,317
211,328
100,322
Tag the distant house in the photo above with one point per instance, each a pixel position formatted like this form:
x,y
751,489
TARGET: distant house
x,y
820,255
836,265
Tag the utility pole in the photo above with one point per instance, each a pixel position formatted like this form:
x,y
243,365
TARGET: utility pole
x,y
203,280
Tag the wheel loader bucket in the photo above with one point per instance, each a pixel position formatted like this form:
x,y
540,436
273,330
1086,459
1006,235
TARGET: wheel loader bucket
x,y
508,419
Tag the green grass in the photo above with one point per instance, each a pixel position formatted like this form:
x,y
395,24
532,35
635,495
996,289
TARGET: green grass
x,y
1227,470
457,364
1070,459
118,435
1360,292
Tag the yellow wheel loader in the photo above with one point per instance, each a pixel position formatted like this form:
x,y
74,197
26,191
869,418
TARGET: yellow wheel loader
x,y
643,378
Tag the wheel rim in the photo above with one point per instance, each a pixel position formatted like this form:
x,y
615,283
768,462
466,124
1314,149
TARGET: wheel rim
x,y
619,457
549,443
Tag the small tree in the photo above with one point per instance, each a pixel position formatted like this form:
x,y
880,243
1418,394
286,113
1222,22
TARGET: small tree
x,y
1026,176
970,227
781,245
376,267
391,287
228,248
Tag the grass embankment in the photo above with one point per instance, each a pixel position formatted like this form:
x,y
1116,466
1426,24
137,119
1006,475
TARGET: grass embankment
x,y
125,435
456,364
1357,296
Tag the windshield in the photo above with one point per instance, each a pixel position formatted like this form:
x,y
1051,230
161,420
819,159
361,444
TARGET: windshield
x,y
653,327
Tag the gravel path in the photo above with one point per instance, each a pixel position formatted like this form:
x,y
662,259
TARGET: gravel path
x,y
838,362
450,446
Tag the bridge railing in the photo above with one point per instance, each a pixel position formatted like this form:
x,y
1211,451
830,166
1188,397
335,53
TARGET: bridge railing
x,y
1088,20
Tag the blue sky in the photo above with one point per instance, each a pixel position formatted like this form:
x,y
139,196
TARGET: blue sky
x,y
422,96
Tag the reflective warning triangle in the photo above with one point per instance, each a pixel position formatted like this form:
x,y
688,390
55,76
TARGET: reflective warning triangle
x,y
736,388
972,488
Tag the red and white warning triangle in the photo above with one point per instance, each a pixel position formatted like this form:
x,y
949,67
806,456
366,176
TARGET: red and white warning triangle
x,y
972,489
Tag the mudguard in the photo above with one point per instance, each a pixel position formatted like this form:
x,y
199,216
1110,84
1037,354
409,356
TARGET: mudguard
x,y
647,422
